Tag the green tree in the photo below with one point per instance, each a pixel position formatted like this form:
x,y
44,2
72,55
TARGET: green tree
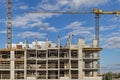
x,y
107,76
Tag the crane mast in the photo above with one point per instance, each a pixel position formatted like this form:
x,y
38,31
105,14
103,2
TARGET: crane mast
x,y
9,23
97,28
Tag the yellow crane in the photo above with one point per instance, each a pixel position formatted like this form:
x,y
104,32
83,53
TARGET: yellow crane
x,y
95,11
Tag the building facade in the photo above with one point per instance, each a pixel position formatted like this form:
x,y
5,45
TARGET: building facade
x,y
46,61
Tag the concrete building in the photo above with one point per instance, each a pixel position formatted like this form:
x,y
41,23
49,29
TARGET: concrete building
x,y
48,61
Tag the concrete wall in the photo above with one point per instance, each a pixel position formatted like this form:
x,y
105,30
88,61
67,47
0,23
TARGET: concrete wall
x,y
92,78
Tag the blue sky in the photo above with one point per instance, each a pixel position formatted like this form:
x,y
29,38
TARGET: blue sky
x,y
52,25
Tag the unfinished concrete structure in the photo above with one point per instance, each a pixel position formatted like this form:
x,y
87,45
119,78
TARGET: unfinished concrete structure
x,y
46,61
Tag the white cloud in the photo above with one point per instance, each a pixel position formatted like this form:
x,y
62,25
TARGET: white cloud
x,y
74,25
47,6
3,31
63,2
69,4
34,20
29,34
117,33
43,26
2,3
111,68
78,29
109,27
89,3
112,42
118,0
23,7
114,19
86,34
77,25
111,39
3,21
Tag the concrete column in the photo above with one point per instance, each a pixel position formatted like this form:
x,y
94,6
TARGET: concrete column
x,y
58,63
36,64
95,66
69,64
95,55
95,74
80,65
83,74
12,73
25,65
47,43
81,43
47,64
95,43
58,41
80,56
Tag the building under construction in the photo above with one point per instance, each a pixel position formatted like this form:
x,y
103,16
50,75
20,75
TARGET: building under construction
x,y
44,60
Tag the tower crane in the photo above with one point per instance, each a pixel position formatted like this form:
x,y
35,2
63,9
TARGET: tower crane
x,y
9,23
97,12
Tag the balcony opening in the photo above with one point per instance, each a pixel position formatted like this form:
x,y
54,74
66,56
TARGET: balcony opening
x,y
41,54
19,54
64,64
19,64
31,64
4,74
31,54
5,55
74,64
41,75
5,65
52,74
52,53
74,74
19,74
64,53
31,73
74,53
53,64
41,64
88,73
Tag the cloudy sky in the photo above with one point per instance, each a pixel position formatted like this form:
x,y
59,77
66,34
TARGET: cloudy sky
x,y
52,25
